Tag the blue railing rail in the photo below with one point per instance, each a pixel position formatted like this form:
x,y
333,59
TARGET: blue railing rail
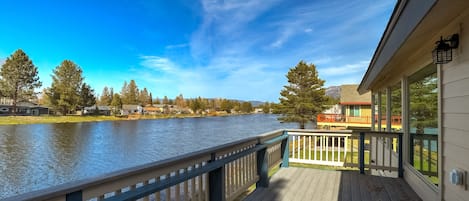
x,y
217,173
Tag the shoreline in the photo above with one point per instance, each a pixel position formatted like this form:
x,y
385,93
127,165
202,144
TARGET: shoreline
x,y
23,120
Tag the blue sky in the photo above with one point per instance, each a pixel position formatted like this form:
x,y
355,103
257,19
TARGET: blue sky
x,y
239,49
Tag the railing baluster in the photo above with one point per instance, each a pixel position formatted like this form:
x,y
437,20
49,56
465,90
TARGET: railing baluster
x,y
315,147
304,147
293,146
421,154
391,140
177,189
186,186
362,153
327,148
322,142
168,190
333,149
412,148
429,155
338,151
146,198
158,194
383,146
298,146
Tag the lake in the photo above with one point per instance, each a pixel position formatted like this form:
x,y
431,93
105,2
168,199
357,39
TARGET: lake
x,y
38,156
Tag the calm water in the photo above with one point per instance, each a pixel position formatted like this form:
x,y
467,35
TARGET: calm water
x,y
38,156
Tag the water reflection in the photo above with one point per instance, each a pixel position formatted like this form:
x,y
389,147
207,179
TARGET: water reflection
x,y
33,157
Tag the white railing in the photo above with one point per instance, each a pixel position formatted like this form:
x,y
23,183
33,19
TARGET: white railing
x,y
320,147
371,150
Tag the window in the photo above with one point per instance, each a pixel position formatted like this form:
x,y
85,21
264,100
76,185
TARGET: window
x,y
382,108
354,111
396,108
423,122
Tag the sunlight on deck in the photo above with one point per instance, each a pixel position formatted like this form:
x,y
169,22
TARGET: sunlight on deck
x,y
313,184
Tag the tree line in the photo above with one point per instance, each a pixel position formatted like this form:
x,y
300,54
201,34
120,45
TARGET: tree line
x,y
69,91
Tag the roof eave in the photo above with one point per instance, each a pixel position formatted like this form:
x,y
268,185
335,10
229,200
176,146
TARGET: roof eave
x,y
407,14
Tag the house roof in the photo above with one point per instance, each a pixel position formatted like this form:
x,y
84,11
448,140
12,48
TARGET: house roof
x,y
350,96
413,25
100,107
130,107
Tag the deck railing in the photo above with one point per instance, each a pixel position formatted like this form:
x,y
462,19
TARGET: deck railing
x,y
340,118
370,150
225,172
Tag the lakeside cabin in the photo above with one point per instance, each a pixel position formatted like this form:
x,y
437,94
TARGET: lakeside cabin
x,y
23,108
427,160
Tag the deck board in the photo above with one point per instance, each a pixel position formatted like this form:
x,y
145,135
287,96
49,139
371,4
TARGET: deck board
x,y
312,184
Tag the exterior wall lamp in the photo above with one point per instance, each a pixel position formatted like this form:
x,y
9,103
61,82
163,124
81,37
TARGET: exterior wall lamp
x,y
443,52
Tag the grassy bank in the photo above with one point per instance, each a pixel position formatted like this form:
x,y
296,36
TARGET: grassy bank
x,y
12,120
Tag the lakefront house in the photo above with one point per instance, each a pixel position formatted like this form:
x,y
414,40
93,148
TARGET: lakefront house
x,y
353,110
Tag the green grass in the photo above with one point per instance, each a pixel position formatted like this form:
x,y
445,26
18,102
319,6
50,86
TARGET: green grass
x,y
46,119
351,157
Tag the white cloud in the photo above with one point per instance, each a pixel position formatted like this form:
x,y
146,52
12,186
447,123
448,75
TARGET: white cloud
x,y
176,46
158,63
243,49
344,69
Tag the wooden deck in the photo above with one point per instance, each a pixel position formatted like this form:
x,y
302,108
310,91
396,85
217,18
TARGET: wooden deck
x,y
297,184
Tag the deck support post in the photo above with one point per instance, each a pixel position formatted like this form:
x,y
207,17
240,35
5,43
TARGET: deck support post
x,y
74,196
400,170
362,153
216,183
262,168
285,150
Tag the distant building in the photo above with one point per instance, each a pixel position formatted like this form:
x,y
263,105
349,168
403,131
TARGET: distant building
x,y
23,108
131,109
353,111
102,110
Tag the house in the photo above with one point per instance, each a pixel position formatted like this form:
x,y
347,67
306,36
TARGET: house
x,y
153,109
102,110
131,109
23,108
420,71
353,111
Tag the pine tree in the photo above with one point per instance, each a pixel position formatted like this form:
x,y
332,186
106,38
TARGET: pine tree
x,y
180,102
116,103
19,77
129,94
66,84
150,99
304,96
87,97
143,97
106,96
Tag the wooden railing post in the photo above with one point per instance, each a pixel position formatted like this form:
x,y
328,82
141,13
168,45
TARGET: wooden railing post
x,y
262,168
362,153
400,170
285,150
216,183
74,196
